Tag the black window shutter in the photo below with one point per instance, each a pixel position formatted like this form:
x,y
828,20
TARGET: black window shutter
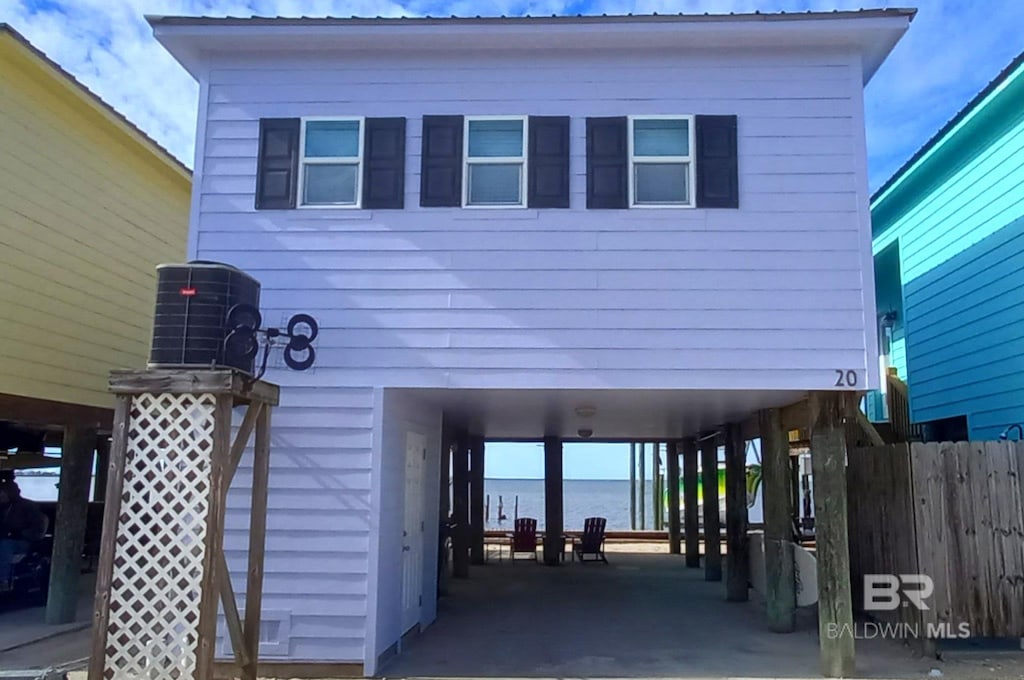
x,y
384,163
277,164
607,163
718,184
548,162
441,164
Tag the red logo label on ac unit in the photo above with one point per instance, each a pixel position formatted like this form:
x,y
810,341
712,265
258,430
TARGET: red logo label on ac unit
x,y
188,292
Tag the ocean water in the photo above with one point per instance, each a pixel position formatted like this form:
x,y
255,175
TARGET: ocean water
x,y
607,498
582,498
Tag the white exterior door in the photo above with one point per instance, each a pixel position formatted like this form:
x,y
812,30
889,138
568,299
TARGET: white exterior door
x,y
412,534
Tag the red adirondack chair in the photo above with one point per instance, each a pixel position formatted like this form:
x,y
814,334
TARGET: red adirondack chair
x,y
592,540
524,539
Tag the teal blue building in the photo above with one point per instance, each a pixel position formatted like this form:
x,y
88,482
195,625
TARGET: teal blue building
x,y
948,242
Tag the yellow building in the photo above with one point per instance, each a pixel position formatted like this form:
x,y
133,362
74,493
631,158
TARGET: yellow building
x,y
88,206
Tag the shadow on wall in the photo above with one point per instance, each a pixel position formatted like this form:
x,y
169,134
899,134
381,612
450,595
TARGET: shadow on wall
x,y
965,335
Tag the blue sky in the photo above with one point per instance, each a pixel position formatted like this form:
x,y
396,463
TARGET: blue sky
x,y
953,48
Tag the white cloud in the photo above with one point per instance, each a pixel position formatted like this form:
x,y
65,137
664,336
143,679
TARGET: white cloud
x,y
953,48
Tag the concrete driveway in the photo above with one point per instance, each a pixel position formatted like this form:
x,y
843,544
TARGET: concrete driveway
x,y
643,616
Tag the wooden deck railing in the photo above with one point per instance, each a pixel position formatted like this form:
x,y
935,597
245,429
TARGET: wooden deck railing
x,y
897,398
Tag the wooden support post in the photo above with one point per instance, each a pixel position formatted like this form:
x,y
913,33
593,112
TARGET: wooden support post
x,y
712,521
828,462
447,441
443,544
111,515
672,471
249,420
476,500
257,542
220,475
632,485
794,487
554,541
691,513
780,588
642,500
229,605
738,571
69,528
656,515
460,506
99,484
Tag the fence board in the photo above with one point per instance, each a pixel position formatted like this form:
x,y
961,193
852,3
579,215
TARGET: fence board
x,y
970,534
951,511
881,521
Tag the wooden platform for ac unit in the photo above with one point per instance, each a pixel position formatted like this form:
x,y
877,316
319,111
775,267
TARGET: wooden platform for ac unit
x,y
162,568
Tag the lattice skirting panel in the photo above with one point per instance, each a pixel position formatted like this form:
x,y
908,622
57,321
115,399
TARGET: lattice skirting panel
x,y
158,559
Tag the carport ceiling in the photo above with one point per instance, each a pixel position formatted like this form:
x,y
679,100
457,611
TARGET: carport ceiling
x,y
616,414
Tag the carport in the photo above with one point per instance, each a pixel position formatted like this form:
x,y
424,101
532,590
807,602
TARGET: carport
x,y
631,609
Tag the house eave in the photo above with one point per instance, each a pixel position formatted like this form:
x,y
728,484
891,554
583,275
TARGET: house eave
x,y
195,40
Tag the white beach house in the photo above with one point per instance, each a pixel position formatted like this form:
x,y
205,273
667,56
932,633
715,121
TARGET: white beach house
x,y
515,229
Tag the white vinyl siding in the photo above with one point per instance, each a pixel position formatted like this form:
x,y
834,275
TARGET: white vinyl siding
x,y
769,296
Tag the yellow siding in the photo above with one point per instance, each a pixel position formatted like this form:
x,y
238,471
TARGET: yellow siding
x,y
87,210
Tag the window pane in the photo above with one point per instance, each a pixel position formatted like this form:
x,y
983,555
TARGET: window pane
x,y
332,138
490,138
494,183
661,138
660,183
326,184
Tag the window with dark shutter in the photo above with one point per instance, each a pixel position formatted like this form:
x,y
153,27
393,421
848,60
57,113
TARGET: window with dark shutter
x,y
607,162
717,167
384,163
277,163
441,162
548,181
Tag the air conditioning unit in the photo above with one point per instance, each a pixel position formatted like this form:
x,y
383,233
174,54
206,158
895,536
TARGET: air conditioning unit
x,y
192,324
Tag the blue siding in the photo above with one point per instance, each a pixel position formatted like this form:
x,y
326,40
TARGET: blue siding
x,y
961,244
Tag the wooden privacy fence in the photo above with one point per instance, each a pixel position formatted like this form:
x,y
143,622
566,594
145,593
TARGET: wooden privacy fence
x,y
951,511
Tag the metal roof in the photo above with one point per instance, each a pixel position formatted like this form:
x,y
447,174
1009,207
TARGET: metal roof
x,y
156,20
159,149
950,124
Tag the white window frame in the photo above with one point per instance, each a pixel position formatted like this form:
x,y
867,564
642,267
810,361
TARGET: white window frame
x,y
503,160
691,176
330,160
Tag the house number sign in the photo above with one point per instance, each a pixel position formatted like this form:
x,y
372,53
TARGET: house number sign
x,y
847,378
